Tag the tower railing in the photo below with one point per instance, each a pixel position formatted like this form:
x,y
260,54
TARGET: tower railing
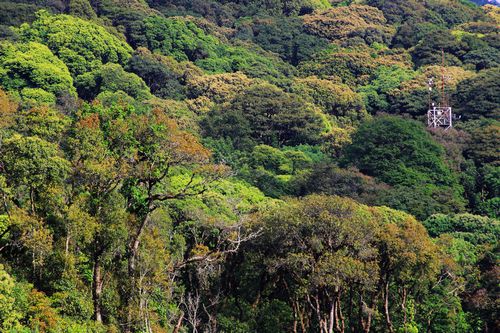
x,y
440,116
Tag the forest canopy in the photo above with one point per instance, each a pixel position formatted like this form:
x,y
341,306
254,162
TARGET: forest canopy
x,y
237,166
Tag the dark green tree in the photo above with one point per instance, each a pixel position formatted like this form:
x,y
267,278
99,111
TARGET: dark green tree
x,y
478,96
284,36
401,153
111,78
266,114
398,152
161,80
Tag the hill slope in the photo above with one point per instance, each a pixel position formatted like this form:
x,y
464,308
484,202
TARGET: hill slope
x,y
248,166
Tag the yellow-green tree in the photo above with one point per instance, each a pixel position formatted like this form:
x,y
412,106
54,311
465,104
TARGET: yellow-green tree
x,y
82,45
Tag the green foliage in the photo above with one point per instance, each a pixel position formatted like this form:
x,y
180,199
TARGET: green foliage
x,y
313,153
424,200
399,152
458,47
218,88
30,311
490,207
274,316
273,170
32,70
114,217
482,58
471,228
82,45
411,97
14,14
412,31
43,122
269,158
179,38
33,162
9,316
352,66
347,66
355,22
280,7
438,12
72,301
36,97
483,145
184,40
284,36
384,80
163,80
477,97
265,114
82,8
111,78
332,180
426,52
337,100
318,252
124,18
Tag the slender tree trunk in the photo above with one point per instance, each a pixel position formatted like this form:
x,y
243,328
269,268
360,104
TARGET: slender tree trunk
x,y
366,324
317,310
430,319
332,317
179,323
295,316
386,307
263,281
32,200
134,245
301,316
340,316
132,259
403,306
349,308
66,248
97,289
5,205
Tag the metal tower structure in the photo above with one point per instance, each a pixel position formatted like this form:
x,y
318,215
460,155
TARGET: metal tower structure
x,y
440,115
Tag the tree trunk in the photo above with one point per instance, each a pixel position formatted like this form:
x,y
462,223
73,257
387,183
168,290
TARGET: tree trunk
x,y
179,323
340,317
132,259
295,317
332,317
66,247
300,315
32,200
366,324
134,245
97,289
349,309
386,307
403,306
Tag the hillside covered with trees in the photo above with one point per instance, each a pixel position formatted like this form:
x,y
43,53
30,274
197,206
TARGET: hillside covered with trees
x,y
234,166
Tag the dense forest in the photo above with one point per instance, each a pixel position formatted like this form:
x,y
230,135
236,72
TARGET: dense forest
x,y
233,166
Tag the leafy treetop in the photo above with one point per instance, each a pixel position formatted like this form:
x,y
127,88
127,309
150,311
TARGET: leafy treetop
x,y
81,44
